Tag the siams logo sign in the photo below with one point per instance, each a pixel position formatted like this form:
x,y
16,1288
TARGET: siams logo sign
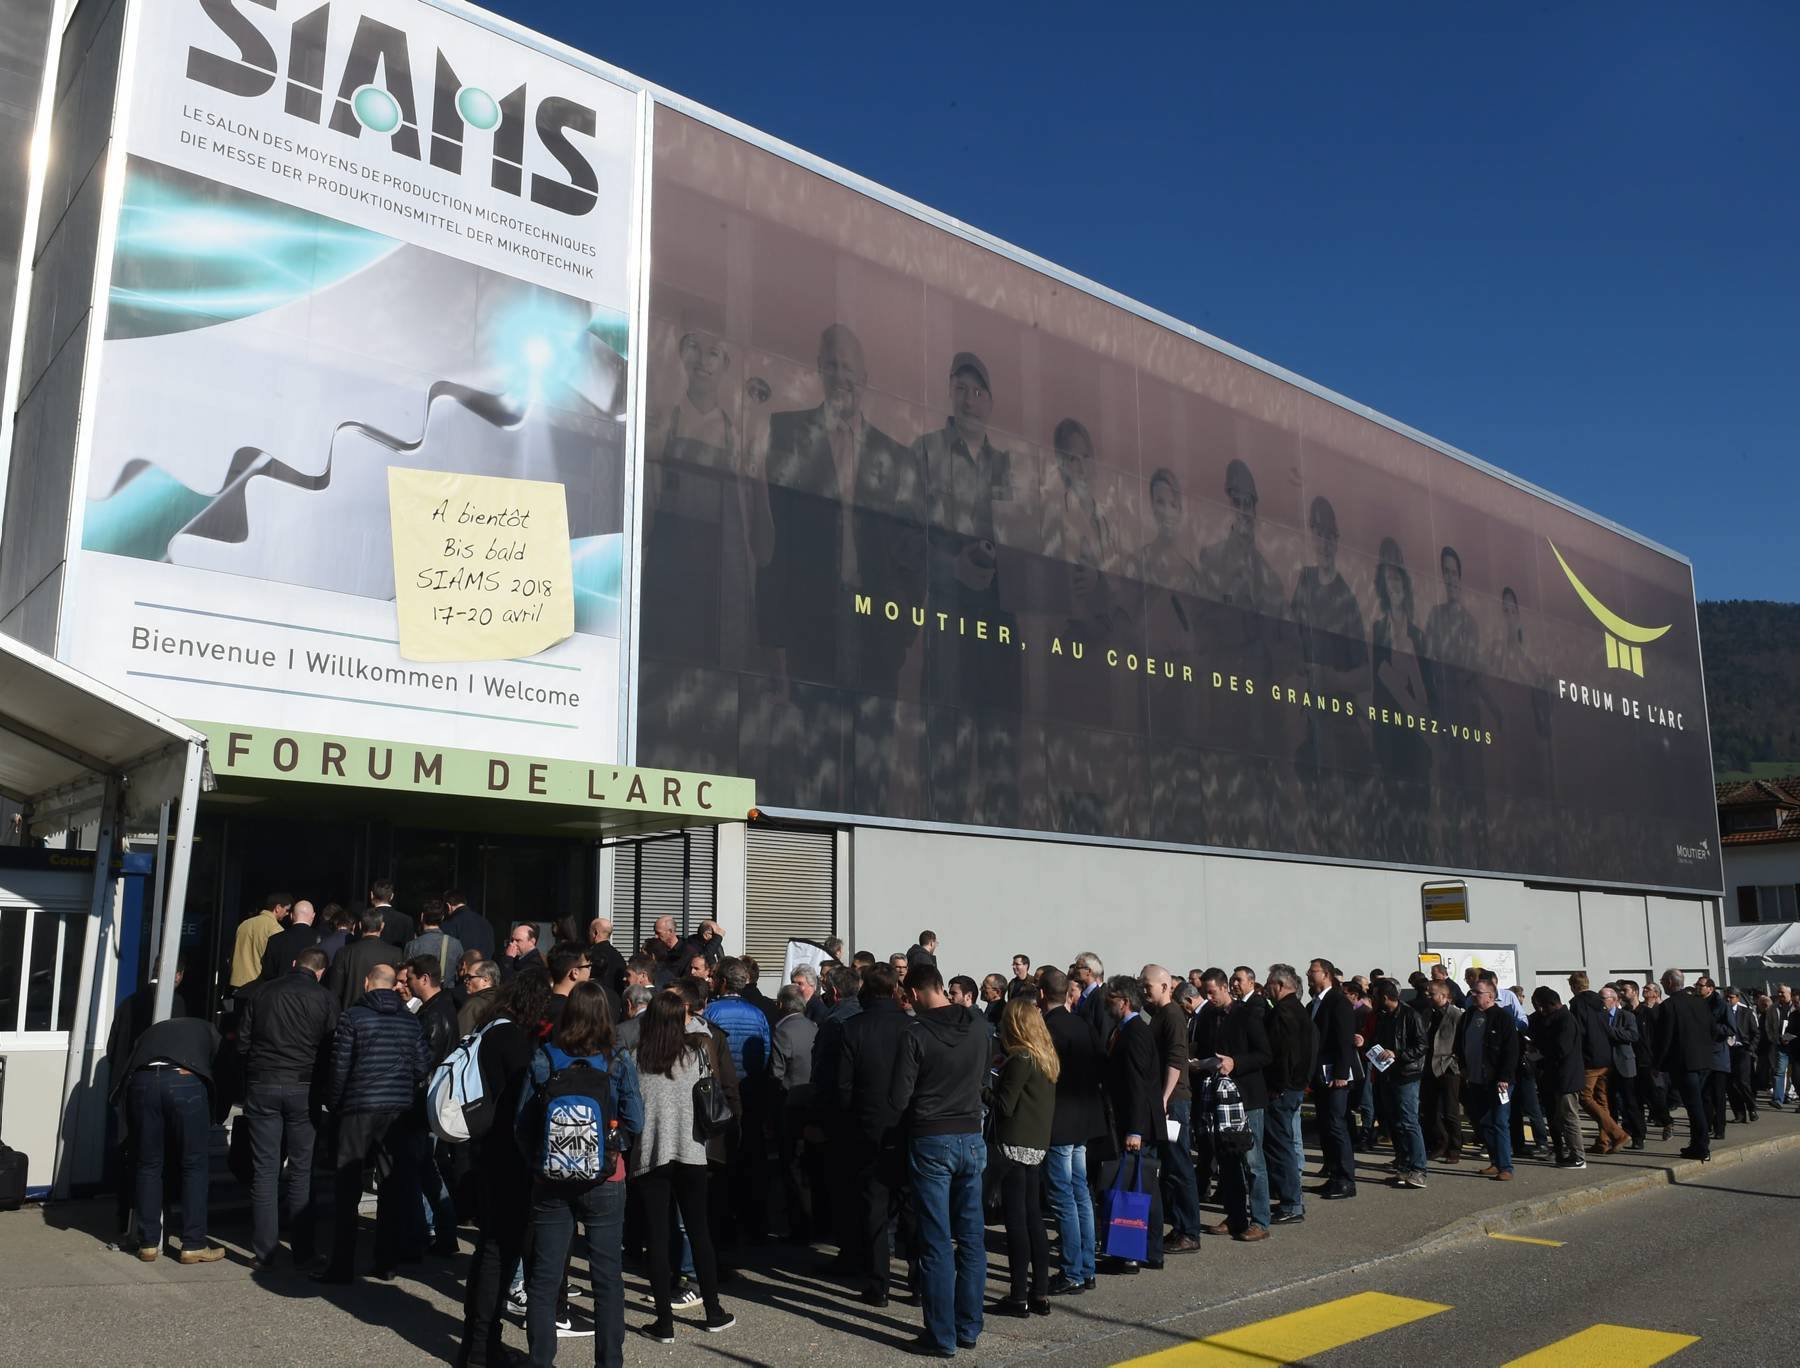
x,y
1625,641
378,86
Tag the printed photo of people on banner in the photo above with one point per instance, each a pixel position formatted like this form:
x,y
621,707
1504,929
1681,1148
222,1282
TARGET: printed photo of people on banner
x,y
930,535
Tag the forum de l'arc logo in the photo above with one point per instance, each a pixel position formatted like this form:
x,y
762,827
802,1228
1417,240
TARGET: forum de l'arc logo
x,y
1625,641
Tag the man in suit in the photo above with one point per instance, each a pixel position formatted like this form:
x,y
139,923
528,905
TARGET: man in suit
x,y
1090,976
1746,1028
355,960
471,930
609,964
396,926
1079,1121
286,944
1622,1036
1684,1050
1133,1079
846,509
1334,1072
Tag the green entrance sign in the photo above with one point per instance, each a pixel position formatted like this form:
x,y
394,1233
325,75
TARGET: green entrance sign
x,y
406,767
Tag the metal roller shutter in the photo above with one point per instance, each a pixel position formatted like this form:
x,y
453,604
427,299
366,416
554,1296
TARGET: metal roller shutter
x,y
673,875
790,892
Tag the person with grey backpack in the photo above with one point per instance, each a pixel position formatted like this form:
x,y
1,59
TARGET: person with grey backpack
x,y
685,1111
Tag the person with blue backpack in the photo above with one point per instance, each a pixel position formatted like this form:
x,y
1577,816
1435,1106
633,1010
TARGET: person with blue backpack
x,y
580,1111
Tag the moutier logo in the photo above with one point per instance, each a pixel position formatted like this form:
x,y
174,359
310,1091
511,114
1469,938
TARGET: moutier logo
x,y
380,82
1625,641
1688,854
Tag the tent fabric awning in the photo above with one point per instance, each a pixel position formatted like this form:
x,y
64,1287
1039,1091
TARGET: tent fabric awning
x,y
64,735
1772,941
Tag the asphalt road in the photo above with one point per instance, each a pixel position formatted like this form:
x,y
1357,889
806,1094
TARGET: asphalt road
x,y
1712,1259
1695,1274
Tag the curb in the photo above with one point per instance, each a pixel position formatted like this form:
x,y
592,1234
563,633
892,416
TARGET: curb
x,y
1500,1219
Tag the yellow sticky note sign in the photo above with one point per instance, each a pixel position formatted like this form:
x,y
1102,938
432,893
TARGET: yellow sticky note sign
x,y
482,569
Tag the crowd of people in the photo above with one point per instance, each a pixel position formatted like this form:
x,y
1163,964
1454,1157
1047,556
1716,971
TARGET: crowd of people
x,y
660,1102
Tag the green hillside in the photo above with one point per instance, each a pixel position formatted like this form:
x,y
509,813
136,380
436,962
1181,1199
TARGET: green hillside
x,y
1752,652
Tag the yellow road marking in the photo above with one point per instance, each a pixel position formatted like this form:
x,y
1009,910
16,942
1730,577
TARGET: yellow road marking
x,y
1295,1337
1617,1346
1527,1239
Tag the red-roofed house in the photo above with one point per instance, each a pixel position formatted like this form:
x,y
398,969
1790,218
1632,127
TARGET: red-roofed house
x,y
1759,834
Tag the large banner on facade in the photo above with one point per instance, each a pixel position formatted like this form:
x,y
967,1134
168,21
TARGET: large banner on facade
x,y
356,237
932,536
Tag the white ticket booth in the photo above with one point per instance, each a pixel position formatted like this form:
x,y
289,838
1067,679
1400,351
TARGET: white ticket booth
x,y
79,757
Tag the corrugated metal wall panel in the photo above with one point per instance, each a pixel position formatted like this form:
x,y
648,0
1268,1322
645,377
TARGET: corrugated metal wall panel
x,y
790,892
674,875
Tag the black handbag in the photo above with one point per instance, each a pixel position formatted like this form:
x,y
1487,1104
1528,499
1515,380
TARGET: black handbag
x,y
712,1108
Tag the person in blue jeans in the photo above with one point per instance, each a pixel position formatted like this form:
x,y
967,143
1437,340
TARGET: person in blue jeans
x,y
938,1076
1294,1043
1066,1182
583,1037
1402,1034
167,1087
1240,1039
1080,1116
1487,1043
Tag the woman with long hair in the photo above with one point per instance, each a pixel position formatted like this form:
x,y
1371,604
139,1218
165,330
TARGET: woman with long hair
x,y
576,1157
669,1160
1024,1103
504,1191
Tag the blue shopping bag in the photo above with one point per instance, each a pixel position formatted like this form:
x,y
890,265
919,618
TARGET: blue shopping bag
x,y
1128,1212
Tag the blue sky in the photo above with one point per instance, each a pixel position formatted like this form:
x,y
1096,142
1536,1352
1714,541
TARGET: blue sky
x,y
1565,237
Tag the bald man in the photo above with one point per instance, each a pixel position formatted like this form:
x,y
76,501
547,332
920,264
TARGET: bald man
x,y
604,956
285,945
1180,1186
379,1057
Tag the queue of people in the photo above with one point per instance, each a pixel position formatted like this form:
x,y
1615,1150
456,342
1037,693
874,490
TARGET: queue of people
x,y
674,1114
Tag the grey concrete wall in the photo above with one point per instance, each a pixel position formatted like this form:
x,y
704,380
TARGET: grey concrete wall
x,y
987,898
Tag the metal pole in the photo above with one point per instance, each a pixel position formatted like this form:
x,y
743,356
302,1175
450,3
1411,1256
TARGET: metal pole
x,y
158,875
175,908
99,918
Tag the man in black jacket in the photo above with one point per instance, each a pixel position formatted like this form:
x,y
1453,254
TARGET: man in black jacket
x,y
283,1031
379,1059
1242,1053
1133,1079
608,963
1294,1048
1596,1059
841,985
285,945
1684,1050
167,1085
939,1070
352,964
1079,1120
1400,1031
1335,1023
874,1150
1557,1037
396,926
1487,1046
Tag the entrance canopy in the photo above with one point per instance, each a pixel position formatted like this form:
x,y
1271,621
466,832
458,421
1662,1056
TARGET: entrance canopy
x,y
74,752
64,737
